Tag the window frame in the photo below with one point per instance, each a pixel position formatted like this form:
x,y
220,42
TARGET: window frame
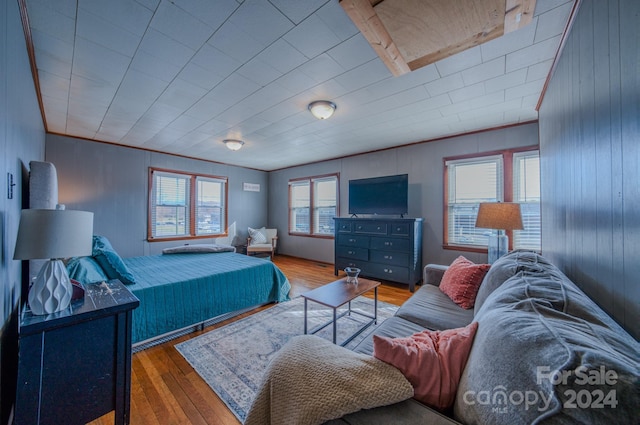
x,y
192,205
312,180
507,191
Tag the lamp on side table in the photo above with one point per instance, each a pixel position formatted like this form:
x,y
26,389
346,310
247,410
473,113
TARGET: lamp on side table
x,y
499,216
53,235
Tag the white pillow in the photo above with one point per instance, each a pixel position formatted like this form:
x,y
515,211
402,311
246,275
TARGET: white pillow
x,y
258,236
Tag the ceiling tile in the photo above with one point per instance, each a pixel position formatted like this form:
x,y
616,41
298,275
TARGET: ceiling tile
x,y
106,34
164,47
536,53
261,21
353,52
505,81
483,71
297,10
215,16
125,14
510,42
235,43
446,84
259,72
282,56
466,93
154,66
312,37
463,60
99,63
179,25
552,22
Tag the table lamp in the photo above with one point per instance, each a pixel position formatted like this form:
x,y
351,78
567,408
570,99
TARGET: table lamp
x,y
499,216
53,235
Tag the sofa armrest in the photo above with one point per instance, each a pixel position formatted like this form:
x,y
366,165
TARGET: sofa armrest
x,y
433,273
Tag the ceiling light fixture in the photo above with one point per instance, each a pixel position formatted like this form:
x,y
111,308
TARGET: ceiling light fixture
x,y
233,144
322,109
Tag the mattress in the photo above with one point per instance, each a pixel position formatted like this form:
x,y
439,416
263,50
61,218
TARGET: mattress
x,y
180,290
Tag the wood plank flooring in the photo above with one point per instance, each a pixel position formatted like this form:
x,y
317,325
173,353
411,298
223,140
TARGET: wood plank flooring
x,y
165,389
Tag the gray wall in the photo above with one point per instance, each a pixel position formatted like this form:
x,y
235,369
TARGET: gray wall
x,y
21,141
112,181
590,158
424,164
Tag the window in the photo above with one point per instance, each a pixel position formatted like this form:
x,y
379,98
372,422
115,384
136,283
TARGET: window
x,y
526,191
506,176
313,203
186,205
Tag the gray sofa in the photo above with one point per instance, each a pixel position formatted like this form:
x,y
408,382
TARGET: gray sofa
x,y
543,353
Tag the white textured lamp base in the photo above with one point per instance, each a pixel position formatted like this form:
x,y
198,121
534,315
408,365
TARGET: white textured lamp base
x,y
51,292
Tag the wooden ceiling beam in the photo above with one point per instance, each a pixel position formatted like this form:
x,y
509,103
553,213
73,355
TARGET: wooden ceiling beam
x,y
365,18
410,34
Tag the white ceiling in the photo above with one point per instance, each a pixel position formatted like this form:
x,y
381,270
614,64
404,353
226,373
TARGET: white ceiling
x,y
180,76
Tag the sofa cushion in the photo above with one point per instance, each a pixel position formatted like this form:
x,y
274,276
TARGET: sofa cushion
x,y
432,309
462,280
431,360
392,327
408,412
538,327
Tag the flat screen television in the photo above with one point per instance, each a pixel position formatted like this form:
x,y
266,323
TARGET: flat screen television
x,y
386,195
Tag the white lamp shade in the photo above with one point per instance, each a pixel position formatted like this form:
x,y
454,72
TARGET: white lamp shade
x,y
46,234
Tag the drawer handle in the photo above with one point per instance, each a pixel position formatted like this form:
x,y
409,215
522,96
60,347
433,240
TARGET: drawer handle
x,y
359,227
351,252
388,243
379,227
388,257
388,271
352,240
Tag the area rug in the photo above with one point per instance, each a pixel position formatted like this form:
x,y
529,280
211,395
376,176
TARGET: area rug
x,y
232,359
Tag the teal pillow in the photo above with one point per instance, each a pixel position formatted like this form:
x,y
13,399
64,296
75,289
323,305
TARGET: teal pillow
x,y
110,261
85,270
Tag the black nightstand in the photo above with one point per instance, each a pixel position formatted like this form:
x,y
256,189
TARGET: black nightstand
x,y
75,365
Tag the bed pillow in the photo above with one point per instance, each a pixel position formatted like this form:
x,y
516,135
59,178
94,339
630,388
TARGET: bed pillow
x,y
432,361
258,236
85,270
199,248
462,280
110,261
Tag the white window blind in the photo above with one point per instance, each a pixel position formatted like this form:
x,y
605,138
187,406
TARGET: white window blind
x,y
169,204
300,204
526,191
210,205
471,181
324,205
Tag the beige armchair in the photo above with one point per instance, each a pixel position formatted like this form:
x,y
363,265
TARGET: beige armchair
x,y
262,241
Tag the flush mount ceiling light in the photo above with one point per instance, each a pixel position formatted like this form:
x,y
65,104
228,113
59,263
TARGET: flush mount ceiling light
x,y
322,109
233,144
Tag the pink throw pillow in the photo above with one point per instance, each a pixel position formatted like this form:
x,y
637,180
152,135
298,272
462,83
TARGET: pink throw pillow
x,y
462,280
432,361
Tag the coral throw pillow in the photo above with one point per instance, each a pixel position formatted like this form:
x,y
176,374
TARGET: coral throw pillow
x,y
432,361
462,280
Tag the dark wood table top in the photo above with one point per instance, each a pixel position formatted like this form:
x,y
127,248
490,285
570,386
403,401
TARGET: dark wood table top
x,y
340,292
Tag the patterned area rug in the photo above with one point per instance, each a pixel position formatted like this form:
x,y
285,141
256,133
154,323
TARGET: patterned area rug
x,y
233,358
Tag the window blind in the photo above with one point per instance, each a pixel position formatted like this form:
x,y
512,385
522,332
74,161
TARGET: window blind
x,y
526,191
471,181
324,205
169,204
300,201
210,205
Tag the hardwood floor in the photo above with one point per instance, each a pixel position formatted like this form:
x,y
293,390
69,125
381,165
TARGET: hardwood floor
x,y
166,390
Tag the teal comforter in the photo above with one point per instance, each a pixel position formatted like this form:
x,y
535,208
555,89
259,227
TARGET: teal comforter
x,y
179,290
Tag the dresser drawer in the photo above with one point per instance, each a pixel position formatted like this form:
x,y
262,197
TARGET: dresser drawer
x,y
342,263
388,257
389,272
391,244
352,252
400,229
343,226
372,228
353,240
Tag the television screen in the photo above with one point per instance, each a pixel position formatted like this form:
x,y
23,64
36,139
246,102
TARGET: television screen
x,y
379,195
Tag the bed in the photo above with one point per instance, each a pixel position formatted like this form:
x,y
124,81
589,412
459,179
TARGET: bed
x,y
186,288
180,291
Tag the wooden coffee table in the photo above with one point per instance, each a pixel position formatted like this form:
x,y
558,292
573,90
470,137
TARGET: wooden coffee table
x,y
335,295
